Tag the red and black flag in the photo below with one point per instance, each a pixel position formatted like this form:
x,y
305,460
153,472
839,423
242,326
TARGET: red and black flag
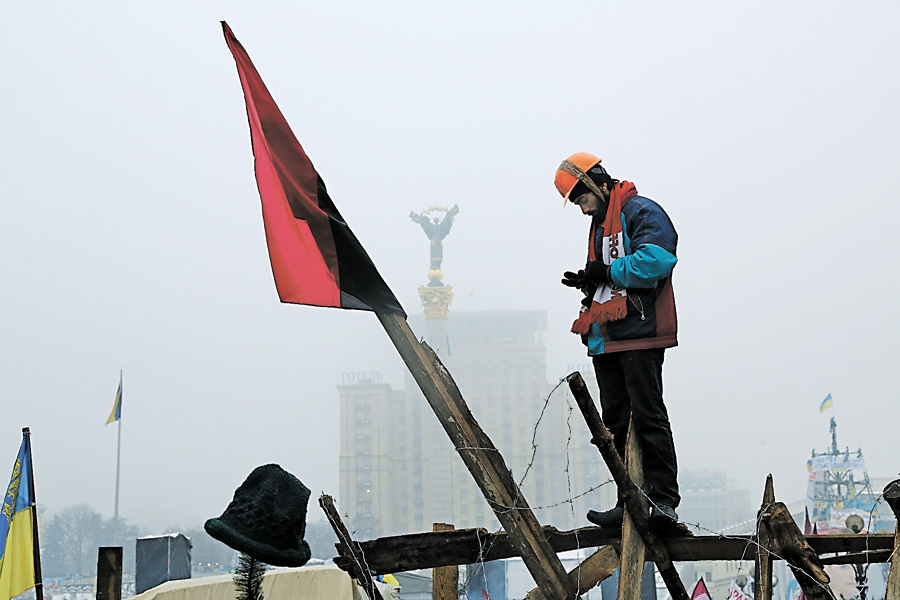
x,y
315,257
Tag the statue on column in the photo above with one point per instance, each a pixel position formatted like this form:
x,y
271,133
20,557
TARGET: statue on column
x,y
436,229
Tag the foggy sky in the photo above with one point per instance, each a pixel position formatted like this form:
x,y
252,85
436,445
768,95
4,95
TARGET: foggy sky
x,y
131,235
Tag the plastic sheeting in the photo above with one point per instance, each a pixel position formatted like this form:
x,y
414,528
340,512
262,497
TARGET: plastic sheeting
x,y
161,558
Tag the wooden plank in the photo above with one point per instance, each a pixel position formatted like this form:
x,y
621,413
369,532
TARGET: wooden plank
x,y
358,568
892,497
634,552
824,544
859,558
763,571
632,496
595,568
466,546
109,573
444,580
482,459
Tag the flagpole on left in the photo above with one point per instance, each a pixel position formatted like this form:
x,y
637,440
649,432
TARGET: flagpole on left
x,y
118,465
38,579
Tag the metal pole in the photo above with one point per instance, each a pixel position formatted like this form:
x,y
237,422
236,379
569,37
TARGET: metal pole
x,y
118,465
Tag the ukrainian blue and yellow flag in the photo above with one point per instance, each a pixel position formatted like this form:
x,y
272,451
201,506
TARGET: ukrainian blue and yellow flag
x,y
17,528
826,403
116,413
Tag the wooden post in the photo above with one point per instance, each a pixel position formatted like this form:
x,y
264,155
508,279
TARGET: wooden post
x,y
444,580
358,569
763,571
482,459
634,552
109,573
892,496
634,500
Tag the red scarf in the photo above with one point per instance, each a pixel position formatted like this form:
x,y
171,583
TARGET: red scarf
x,y
610,301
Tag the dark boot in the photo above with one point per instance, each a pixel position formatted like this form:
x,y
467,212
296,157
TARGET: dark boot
x,y
607,518
662,515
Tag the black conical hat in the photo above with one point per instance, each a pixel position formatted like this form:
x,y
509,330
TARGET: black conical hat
x,y
267,518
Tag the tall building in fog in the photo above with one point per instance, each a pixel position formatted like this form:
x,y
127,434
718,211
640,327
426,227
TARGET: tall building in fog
x,y
398,470
713,502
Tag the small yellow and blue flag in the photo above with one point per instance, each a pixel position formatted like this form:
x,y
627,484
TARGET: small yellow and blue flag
x,y
116,413
826,403
17,528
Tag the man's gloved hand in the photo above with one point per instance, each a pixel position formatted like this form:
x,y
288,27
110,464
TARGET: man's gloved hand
x,y
575,280
596,273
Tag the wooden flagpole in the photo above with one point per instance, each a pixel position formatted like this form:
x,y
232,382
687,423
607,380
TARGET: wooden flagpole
x,y
482,459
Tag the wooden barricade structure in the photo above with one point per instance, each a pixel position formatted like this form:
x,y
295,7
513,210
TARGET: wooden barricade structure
x,y
777,536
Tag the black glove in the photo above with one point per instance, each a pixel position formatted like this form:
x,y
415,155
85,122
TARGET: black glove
x,y
575,280
596,273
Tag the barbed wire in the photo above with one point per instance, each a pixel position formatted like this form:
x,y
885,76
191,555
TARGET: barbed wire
x,y
752,543
500,508
570,409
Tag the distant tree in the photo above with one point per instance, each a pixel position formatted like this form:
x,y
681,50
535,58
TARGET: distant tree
x,y
70,541
71,537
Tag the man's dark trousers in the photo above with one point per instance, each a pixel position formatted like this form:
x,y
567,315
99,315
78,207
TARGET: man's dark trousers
x,y
631,387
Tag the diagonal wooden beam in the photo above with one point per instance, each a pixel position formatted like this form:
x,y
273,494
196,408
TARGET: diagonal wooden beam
x,y
484,462
601,438
345,544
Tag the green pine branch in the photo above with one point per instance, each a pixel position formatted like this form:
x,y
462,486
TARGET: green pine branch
x,y
248,578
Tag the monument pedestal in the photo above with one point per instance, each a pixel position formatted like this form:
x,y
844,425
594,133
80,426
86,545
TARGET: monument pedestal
x,y
436,301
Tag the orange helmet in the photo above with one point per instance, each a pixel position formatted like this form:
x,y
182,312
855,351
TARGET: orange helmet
x,y
572,170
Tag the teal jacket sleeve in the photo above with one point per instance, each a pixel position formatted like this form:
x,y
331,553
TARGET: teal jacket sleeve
x,y
650,241
644,268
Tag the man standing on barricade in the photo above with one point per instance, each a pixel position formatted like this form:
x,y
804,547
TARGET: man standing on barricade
x,y
627,320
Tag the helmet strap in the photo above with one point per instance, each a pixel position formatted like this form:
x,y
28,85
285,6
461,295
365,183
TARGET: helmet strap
x,y
575,171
